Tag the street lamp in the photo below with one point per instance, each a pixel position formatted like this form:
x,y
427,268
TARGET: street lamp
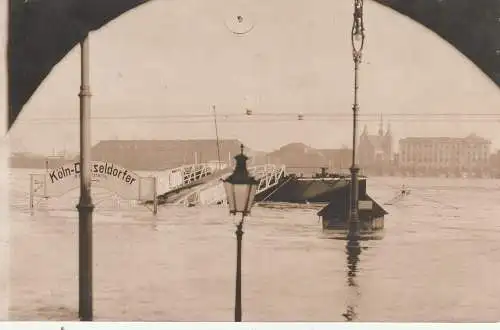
x,y
357,41
240,190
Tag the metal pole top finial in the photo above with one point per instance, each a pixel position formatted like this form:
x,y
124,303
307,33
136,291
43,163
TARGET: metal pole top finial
x,y
241,148
358,31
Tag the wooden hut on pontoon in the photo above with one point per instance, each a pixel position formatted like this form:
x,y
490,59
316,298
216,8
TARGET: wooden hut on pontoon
x,y
336,214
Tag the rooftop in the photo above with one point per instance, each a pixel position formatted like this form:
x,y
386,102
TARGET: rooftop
x,y
472,138
151,155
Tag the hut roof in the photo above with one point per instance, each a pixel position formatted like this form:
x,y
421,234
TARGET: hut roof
x,y
338,203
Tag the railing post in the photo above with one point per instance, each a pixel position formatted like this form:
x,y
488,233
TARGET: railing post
x,y
155,196
31,192
45,177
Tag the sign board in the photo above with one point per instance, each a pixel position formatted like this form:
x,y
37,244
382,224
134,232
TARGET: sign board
x,y
365,205
113,177
147,189
169,180
37,184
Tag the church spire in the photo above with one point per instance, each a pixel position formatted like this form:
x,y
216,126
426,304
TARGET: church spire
x,y
388,132
381,126
365,130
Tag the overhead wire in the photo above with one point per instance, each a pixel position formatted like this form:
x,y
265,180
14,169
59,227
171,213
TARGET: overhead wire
x,y
283,117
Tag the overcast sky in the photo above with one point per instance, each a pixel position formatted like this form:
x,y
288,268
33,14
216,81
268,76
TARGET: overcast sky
x,y
173,57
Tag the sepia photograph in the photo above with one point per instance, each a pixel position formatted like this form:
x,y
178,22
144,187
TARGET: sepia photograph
x,y
250,161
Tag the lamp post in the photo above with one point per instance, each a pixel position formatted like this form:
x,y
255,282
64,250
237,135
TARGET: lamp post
x,y
85,206
240,190
357,42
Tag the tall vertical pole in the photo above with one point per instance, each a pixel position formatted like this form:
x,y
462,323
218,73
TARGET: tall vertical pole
x,y
237,297
217,137
357,40
155,195
354,218
85,206
32,191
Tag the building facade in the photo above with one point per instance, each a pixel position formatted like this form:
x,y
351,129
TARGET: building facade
x,y
444,155
376,151
495,164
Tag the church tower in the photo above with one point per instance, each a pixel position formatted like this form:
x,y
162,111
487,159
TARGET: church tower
x,y
364,134
388,141
381,126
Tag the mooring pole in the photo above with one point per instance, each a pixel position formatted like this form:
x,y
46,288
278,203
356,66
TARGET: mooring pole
x,y
32,189
155,195
217,137
85,206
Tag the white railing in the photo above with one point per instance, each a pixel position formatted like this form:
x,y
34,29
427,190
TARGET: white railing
x,y
212,195
270,177
213,192
206,194
177,177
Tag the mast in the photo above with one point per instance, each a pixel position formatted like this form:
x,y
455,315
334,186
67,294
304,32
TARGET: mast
x,y
217,137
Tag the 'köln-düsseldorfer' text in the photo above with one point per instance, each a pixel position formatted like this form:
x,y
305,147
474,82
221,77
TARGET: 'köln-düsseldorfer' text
x,y
99,168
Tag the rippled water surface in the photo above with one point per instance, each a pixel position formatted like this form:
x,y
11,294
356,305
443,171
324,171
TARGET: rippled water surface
x,y
438,260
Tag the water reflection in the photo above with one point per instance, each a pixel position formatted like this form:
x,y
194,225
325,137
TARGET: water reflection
x,y
341,235
353,251
153,223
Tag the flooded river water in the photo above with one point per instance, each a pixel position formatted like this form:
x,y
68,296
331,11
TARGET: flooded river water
x,y
438,260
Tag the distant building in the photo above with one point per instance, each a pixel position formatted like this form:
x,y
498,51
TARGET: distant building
x,y
375,151
338,159
304,159
396,159
445,154
33,161
298,158
495,164
152,155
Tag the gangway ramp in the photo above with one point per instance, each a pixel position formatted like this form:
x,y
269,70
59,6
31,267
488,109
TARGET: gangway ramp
x,y
181,192
183,176
212,192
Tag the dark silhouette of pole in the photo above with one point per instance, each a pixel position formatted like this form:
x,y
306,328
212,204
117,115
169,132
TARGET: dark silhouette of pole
x,y
240,188
357,40
353,251
85,206
237,303
354,218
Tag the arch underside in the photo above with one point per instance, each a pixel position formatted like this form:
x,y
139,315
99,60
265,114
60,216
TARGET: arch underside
x,y
41,34
471,26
